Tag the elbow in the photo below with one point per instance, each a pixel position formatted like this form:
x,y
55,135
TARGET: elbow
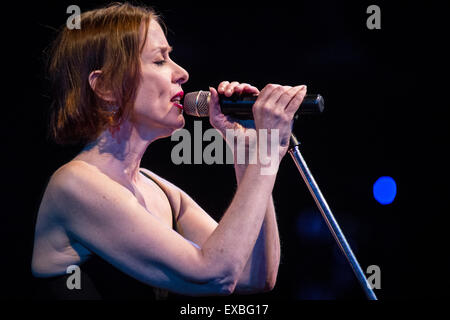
x,y
226,284
229,283
270,281
269,285
266,285
227,289
221,278
254,287
263,287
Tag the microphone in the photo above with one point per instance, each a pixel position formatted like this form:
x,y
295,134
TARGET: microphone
x,y
240,106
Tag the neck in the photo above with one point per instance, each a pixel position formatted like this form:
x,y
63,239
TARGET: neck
x,y
118,153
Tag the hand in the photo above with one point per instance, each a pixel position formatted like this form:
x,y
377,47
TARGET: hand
x,y
220,121
274,110
223,122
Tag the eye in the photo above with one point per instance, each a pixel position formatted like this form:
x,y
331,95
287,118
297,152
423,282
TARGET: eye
x,y
160,62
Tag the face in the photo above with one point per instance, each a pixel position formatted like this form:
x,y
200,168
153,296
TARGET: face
x,y
156,105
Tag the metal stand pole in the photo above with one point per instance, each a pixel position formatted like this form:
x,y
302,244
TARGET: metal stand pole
x,y
328,216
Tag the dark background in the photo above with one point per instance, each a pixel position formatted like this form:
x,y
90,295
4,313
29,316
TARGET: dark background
x,y
384,115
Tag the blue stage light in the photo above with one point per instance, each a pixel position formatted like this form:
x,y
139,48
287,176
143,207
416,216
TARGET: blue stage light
x,y
385,190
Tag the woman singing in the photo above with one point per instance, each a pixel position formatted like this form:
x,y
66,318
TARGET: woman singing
x,y
131,232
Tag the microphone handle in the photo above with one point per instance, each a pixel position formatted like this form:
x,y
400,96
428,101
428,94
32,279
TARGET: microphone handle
x,y
240,107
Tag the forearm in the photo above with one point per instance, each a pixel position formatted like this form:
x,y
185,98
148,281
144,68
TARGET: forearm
x,y
232,242
261,270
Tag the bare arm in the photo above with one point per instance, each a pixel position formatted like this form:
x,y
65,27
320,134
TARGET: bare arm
x,y
106,218
261,270
261,267
240,228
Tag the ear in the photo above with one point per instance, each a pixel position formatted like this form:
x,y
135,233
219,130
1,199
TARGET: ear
x,y
95,83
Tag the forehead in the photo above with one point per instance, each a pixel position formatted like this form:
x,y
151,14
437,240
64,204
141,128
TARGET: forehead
x,y
155,38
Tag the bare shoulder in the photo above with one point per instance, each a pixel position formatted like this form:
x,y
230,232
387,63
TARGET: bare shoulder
x,y
72,187
74,173
53,249
164,181
68,178
78,180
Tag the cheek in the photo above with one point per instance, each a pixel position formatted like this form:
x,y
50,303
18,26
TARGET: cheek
x,y
152,99
154,87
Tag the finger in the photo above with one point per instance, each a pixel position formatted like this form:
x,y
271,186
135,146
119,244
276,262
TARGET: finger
x,y
266,92
245,87
296,101
275,96
229,89
222,86
214,107
287,96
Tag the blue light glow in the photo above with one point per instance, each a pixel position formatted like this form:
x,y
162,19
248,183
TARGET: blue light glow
x,y
385,190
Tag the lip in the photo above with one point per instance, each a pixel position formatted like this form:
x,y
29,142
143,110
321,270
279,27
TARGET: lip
x,y
180,106
178,95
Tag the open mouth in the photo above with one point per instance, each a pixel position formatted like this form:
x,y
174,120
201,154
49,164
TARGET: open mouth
x,y
177,100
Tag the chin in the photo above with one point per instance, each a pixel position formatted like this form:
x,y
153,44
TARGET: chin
x,y
173,126
180,121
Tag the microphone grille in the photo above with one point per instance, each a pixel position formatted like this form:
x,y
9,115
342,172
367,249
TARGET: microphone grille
x,y
196,103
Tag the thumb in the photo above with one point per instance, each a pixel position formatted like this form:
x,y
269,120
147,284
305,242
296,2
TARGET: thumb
x,y
214,107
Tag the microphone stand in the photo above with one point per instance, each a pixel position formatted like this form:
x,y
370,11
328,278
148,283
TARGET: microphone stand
x,y
294,151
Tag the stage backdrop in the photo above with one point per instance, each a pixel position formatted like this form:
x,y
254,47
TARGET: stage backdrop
x,y
383,117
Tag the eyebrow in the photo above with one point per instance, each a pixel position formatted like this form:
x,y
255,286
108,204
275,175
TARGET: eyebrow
x,y
164,48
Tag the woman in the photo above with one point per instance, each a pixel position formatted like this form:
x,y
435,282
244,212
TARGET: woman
x,y
129,230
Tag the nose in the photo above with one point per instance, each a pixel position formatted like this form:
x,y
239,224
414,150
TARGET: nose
x,y
180,75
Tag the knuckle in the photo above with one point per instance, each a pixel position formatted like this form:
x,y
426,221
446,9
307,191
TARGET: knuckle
x,y
273,112
222,86
286,94
279,90
256,106
264,108
277,114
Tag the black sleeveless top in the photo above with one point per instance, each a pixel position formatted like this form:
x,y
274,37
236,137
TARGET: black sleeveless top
x,y
99,281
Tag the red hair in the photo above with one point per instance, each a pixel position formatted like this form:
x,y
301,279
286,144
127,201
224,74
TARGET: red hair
x,y
109,40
